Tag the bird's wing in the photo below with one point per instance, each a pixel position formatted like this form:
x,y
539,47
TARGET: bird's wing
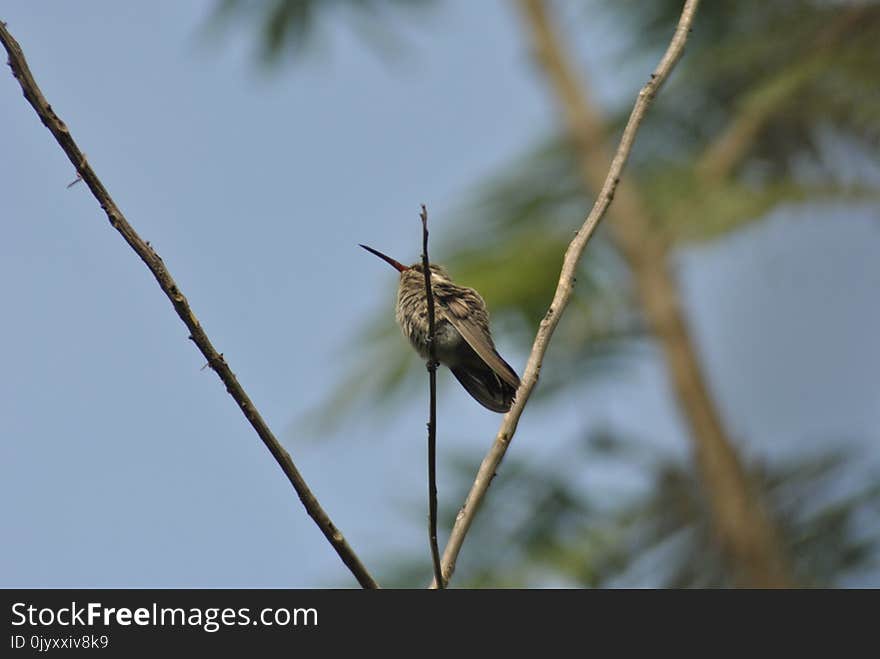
x,y
456,312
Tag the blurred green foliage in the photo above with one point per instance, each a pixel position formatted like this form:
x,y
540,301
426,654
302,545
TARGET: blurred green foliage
x,y
288,26
797,68
543,525
761,84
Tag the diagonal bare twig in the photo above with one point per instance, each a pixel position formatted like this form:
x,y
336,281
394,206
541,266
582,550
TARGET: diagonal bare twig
x,y
564,290
154,262
742,527
432,412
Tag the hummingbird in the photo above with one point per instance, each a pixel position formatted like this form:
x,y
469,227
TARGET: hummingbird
x,y
461,332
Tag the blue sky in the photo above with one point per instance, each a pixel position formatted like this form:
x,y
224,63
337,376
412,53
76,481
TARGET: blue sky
x,y
124,463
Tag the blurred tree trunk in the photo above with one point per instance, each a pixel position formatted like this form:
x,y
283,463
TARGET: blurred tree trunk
x,y
745,533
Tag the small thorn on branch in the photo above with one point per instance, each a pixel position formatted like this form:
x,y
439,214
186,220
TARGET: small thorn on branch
x,y
218,359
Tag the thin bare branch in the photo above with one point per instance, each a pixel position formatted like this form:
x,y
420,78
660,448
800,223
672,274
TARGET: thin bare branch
x,y
745,534
565,287
154,262
432,413
744,531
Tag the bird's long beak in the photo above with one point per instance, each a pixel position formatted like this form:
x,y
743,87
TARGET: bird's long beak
x,y
394,264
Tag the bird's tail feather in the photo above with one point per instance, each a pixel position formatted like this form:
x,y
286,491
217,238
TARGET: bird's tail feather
x,y
485,386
